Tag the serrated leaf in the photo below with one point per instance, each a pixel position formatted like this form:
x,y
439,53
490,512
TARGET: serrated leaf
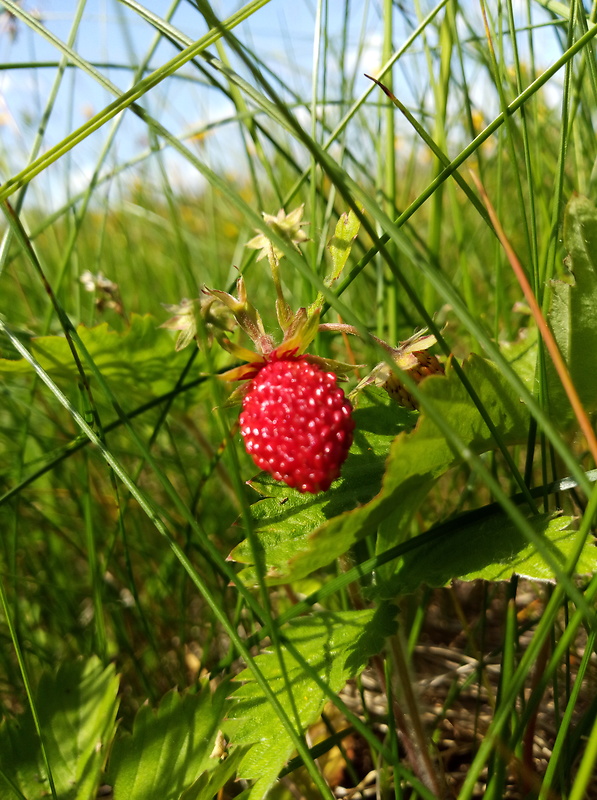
x,y
207,786
169,748
335,646
286,517
416,459
521,354
141,361
492,549
573,312
77,712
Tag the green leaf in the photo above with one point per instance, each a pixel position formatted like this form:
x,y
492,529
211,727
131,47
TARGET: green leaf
x,y
301,538
573,312
331,647
141,361
339,247
207,786
169,748
341,243
77,712
522,356
492,549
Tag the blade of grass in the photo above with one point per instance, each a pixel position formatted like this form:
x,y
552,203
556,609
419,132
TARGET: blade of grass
x,y
148,507
531,654
544,330
27,684
586,770
559,747
125,99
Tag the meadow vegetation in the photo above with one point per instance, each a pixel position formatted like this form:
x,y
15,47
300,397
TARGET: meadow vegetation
x,y
174,625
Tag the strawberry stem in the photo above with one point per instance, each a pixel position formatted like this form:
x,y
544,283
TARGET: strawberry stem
x,y
283,310
343,327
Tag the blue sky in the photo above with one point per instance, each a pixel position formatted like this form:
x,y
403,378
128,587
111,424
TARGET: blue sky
x,y
112,36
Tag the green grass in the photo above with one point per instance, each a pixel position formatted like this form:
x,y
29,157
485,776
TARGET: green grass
x,y
124,482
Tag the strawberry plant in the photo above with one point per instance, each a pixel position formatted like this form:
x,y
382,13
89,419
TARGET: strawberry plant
x,y
298,502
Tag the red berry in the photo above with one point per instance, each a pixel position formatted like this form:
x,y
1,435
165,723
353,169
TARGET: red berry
x,y
297,424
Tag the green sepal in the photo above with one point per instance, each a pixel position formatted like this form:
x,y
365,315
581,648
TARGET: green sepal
x,y
300,333
341,368
236,398
246,315
239,351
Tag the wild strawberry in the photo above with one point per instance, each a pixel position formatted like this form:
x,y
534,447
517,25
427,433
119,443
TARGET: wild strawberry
x,y
296,423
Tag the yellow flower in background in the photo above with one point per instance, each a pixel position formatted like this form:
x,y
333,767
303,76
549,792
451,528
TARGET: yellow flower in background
x,y
286,226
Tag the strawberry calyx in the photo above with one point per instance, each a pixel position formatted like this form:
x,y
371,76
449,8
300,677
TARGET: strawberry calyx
x,y
298,334
246,316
